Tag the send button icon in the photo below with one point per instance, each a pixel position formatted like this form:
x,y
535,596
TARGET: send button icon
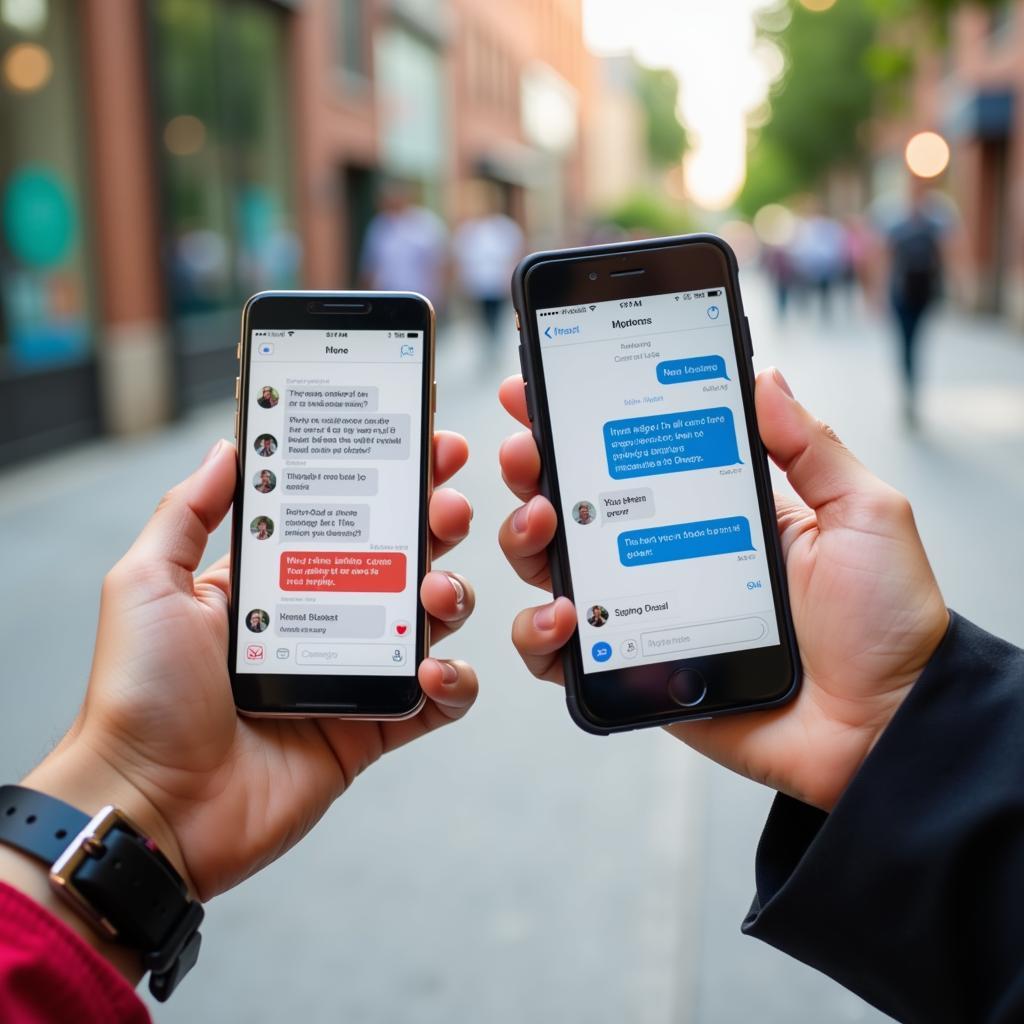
x,y
601,651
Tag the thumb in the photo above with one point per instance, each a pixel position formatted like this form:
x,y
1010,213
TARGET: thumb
x,y
175,537
820,468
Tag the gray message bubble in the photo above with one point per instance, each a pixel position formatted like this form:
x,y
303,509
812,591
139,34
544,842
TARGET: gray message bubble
x,y
348,436
320,520
632,503
333,399
334,481
363,621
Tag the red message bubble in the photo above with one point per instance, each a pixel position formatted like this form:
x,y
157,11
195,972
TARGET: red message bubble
x,y
365,571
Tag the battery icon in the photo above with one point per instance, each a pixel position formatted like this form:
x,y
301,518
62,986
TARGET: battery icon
x,y
712,292
413,334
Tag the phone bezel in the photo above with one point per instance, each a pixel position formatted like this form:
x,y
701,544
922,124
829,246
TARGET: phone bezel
x,y
351,696
636,697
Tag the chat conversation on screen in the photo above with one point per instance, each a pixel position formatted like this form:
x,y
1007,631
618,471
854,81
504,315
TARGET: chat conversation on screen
x,y
334,398
335,481
343,571
685,540
675,443
324,521
680,371
346,435
348,621
636,503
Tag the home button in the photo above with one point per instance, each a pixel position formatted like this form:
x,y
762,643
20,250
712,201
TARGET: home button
x,y
687,687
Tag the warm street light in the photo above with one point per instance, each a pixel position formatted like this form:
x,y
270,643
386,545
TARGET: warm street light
x,y
27,67
927,154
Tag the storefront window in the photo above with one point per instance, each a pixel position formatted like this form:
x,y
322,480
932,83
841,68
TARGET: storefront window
x,y
43,295
225,153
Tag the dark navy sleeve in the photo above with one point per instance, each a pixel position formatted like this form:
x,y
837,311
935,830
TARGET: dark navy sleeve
x,y
911,891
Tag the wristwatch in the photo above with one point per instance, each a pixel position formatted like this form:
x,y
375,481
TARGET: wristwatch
x,y
113,875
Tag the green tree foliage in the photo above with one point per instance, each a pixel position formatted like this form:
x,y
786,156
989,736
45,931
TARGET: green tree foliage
x,y
826,93
658,92
649,213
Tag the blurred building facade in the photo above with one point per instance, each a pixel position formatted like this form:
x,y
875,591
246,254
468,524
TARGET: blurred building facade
x,y
163,160
971,90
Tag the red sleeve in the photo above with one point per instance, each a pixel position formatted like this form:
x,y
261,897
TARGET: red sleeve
x,y
49,975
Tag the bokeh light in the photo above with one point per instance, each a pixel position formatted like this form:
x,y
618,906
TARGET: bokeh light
x,y
775,225
927,154
818,5
27,67
184,135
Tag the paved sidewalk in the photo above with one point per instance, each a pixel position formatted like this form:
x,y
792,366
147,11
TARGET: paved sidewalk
x,y
513,868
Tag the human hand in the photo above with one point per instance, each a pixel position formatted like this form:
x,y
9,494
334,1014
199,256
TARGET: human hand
x,y
867,609
158,734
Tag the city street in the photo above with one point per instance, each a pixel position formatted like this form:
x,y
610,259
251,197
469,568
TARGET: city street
x,y
512,868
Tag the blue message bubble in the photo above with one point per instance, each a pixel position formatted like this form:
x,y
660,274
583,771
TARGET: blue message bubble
x,y
680,371
685,540
651,445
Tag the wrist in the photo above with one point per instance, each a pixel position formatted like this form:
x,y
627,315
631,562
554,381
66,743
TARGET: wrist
x,y
79,776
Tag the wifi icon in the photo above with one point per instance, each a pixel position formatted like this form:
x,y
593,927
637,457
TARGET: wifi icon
x,y
676,297
290,333
592,308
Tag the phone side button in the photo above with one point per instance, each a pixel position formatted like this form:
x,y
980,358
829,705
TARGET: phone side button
x,y
522,363
236,424
748,338
529,401
238,384
518,325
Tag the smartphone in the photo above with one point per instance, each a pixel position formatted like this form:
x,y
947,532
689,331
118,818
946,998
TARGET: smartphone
x,y
334,425
639,379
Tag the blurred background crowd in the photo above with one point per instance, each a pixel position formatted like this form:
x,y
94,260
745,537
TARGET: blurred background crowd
x,y
163,159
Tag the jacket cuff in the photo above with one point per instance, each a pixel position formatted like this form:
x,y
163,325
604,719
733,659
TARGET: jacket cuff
x,y
919,859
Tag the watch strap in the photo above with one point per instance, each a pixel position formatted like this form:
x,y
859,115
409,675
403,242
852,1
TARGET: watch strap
x,y
41,826
112,874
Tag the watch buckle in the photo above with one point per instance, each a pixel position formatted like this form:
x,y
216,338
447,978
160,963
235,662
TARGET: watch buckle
x,y
88,843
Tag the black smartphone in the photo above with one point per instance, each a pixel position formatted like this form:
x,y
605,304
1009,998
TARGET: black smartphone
x,y
334,424
639,377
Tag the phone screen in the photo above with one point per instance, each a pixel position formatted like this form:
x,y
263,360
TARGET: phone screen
x,y
663,530
330,522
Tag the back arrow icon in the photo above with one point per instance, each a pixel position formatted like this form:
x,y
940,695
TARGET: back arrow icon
x,y
547,332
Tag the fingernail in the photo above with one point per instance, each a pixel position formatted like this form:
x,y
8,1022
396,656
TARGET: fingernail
x,y
460,590
544,618
449,673
213,451
781,381
521,518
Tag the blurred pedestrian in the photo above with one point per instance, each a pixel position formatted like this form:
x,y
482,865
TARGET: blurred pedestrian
x,y
819,256
915,279
778,263
487,246
406,247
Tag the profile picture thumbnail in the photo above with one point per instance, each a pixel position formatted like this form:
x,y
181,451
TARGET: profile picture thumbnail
x,y
257,620
584,513
265,445
268,397
264,481
597,615
262,528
